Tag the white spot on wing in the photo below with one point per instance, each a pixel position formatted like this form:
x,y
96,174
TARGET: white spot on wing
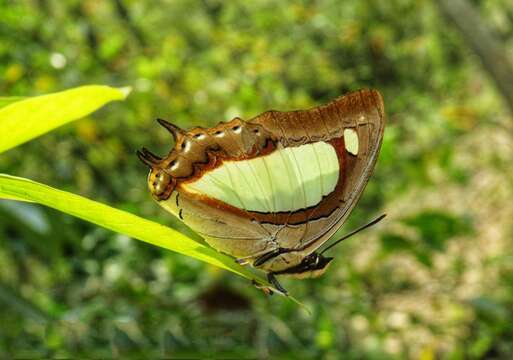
x,y
351,141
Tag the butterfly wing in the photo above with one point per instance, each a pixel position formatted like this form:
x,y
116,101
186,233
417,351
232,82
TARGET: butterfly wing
x,y
279,180
354,125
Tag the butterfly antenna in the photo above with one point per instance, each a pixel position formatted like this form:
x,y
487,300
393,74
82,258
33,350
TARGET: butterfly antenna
x,y
148,158
373,222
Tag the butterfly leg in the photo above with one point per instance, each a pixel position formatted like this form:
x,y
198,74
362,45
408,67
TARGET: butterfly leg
x,y
244,260
272,279
265,289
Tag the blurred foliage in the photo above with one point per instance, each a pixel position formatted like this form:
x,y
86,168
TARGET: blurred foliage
x,y
435,280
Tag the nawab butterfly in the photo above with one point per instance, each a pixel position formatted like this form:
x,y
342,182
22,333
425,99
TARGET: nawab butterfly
x,y
270,191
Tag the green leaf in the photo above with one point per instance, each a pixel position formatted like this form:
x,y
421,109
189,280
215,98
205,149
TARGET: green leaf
x,y
436,227
26,119
392,242
11,197
119,221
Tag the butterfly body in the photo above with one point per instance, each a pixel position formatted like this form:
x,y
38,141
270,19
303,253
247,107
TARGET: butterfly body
x,y
271,190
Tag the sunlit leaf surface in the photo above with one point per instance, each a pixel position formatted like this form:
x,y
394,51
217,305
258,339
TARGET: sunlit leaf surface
x,y
118,220
26,119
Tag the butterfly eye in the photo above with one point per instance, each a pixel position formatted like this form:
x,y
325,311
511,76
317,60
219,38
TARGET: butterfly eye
x,y
219,133
236,128
161,182
256,131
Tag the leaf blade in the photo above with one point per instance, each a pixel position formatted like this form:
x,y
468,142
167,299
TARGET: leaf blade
x,y
118,221
25,119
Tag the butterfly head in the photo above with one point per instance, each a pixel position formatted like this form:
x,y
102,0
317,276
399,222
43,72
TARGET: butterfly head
x,y
163,172
160,182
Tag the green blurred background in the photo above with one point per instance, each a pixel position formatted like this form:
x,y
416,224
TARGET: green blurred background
x,y
435,279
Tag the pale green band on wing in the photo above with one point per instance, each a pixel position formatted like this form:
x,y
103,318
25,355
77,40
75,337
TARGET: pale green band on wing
x,y
288,179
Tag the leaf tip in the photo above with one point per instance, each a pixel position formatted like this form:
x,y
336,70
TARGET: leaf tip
x,y
126,90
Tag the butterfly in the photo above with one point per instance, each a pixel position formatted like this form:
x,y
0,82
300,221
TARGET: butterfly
x,y
270,191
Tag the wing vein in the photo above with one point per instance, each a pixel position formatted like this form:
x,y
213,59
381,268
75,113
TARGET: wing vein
x,y
234,188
